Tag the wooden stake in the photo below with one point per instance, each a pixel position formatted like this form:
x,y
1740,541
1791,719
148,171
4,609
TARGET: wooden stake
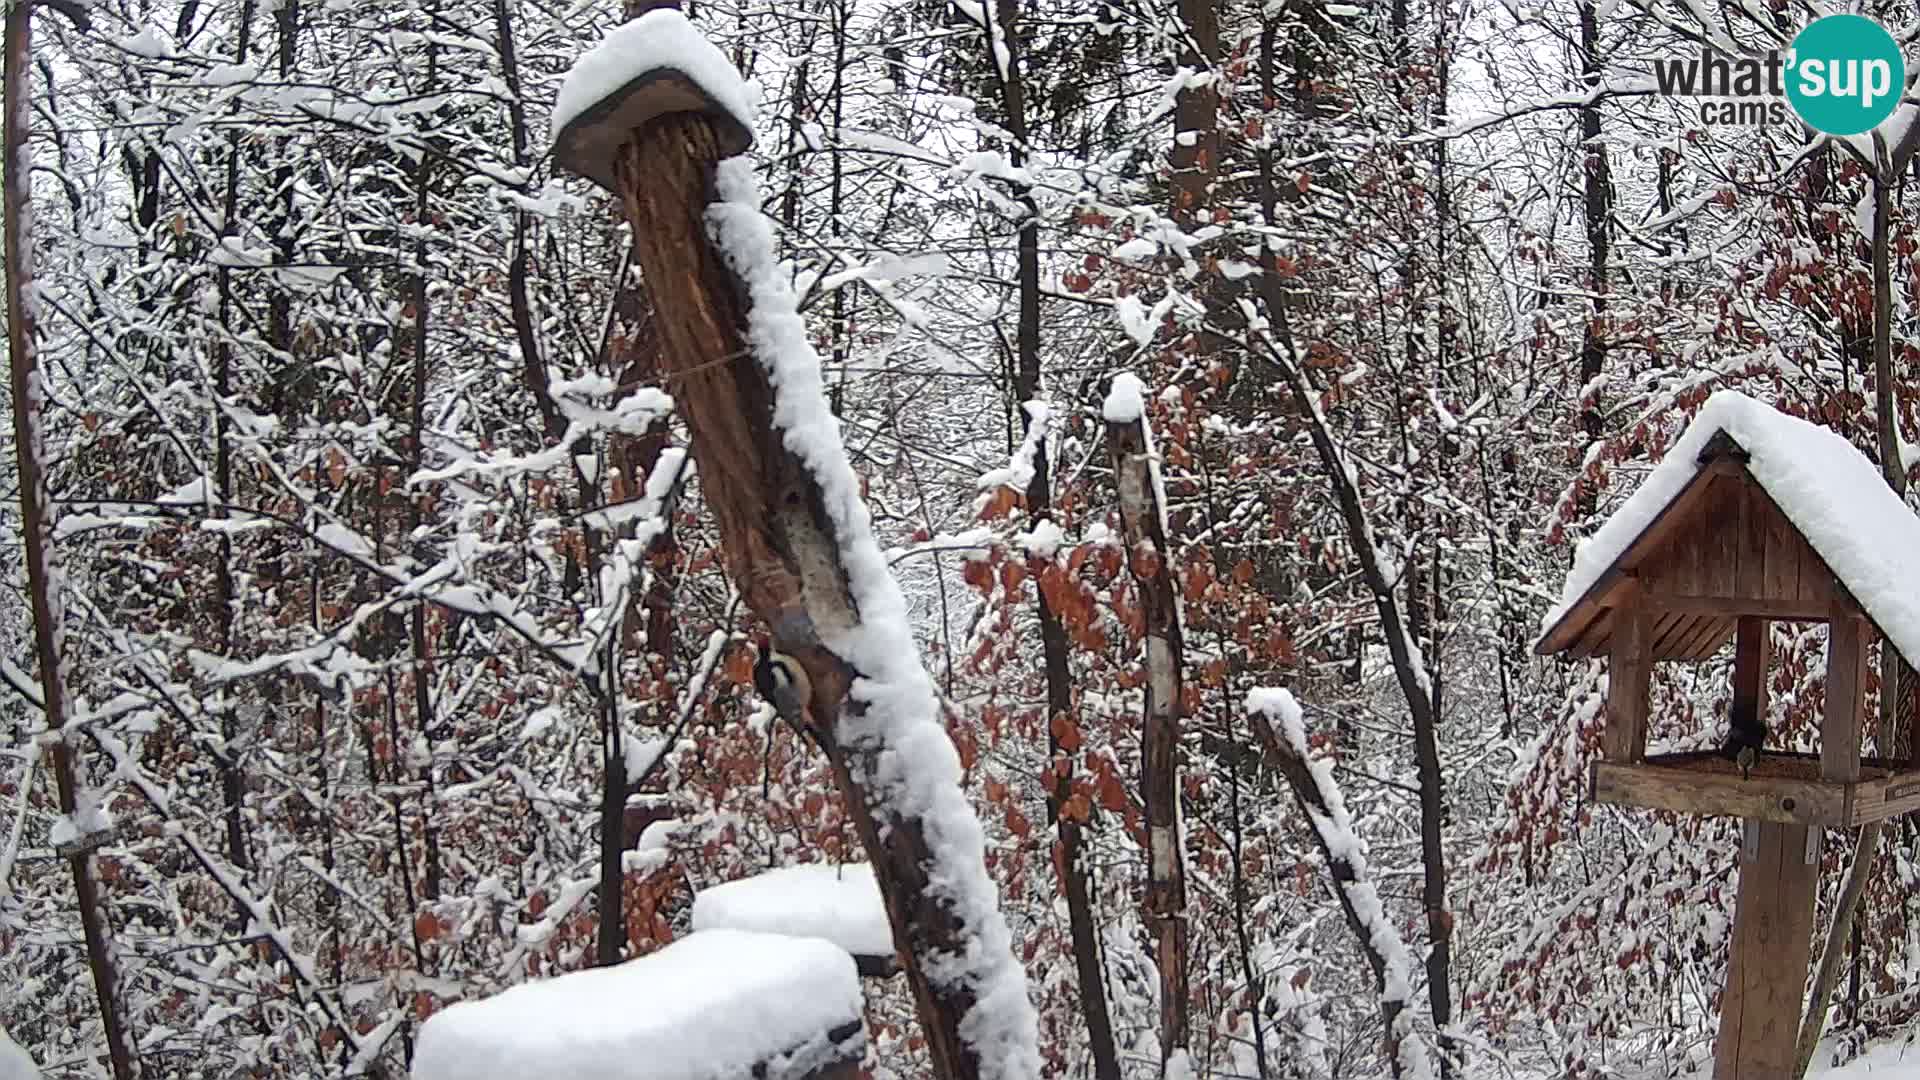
x,y
1767,970
1628,679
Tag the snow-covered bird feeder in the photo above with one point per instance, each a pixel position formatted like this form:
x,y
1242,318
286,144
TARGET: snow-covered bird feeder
x,y
1752,517
839,903
657,65
715,1005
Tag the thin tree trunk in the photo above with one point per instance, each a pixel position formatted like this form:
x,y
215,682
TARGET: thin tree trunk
x,y
431,873
232,782
533,369
1053,636
1866,845
45,585
1597,188
1150,560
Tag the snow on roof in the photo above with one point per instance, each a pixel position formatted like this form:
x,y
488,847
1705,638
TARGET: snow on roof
x,y
661,38
839,903
712,1004
1828,489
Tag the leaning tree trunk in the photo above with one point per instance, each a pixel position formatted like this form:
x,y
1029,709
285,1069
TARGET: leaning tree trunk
x,y
44,582
782,547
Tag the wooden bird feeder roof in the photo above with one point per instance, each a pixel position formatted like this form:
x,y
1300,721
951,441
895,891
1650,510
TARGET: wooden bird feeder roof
x,y
651,67
1752,513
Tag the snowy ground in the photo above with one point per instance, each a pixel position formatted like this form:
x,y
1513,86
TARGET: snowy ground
x,y
1888,1061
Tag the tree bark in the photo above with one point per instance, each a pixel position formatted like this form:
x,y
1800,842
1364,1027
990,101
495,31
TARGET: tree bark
x,y
1597,189
781,547
1053,636
1150,561
1866,845
44,580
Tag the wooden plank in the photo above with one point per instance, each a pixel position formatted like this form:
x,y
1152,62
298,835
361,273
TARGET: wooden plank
x,y
1787,609
1782,574
1708,638
1767,964
1751,584
1784,800
1720,540
1816,581
1593,635
1885,797
1840,718
1673,629
1628,678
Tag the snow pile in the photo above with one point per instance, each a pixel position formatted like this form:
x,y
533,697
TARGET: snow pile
x,y
892,720
711,1004
1828,490
661,38
1894,1060
1335,829
15,1062
839,903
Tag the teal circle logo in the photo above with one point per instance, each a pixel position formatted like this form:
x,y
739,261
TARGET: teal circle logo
x,y
1845,74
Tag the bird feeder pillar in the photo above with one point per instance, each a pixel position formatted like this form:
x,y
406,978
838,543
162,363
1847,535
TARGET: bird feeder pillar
x,y
1840,721
1628,682
1780,864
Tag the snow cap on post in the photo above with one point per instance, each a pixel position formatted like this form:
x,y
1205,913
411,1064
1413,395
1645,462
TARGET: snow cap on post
x,y
656,65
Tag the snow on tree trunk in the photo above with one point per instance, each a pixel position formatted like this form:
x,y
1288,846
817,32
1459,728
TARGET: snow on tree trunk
x,y
84,821
1143,517
798,541
1314,789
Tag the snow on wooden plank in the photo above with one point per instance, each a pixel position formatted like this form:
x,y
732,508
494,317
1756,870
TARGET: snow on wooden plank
x,y
1826,487
839,903
711,1005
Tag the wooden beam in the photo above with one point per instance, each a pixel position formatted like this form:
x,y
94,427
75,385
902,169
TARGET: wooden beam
x,y
1752,649
1767,965
1628,679
1779,799
1788,610
1840,718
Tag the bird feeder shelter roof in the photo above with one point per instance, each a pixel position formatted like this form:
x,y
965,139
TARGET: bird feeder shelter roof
x,y
1751,512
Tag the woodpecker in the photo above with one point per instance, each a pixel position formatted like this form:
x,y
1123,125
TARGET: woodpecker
x,y
783,683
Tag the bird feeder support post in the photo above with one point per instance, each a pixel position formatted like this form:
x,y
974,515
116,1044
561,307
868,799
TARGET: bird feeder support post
x,y
1628,680
1773,916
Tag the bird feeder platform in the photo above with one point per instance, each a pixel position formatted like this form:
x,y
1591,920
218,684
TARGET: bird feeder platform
x,y
1782,787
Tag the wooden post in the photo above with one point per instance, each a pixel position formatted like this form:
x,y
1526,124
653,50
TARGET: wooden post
x,y
1751,652
1767,971
1773,917
1846,689
656,144
1628,678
